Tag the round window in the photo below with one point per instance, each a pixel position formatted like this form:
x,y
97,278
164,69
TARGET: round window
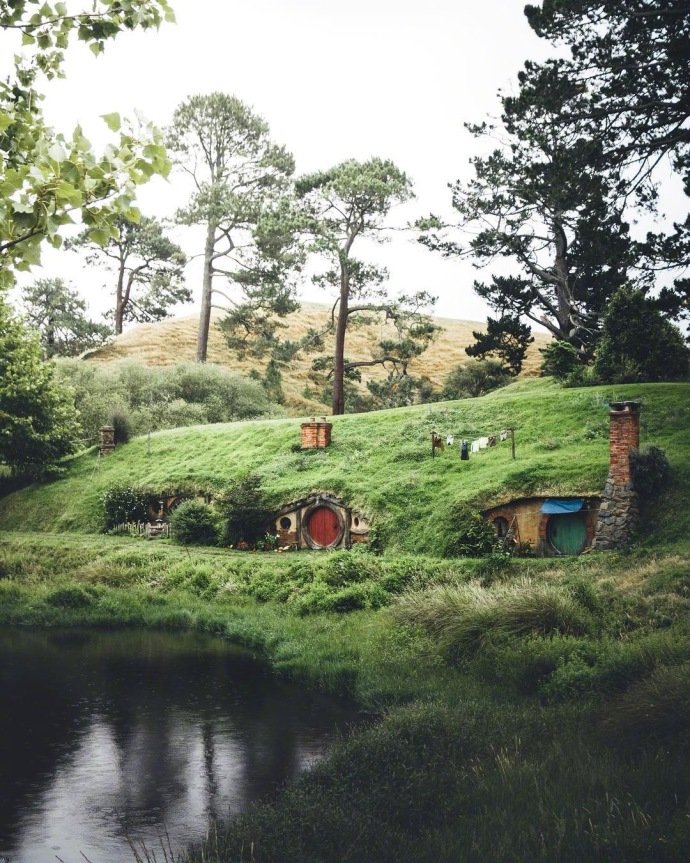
x,y
285,523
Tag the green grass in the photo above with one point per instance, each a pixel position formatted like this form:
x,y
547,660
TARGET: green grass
x,y
525,709
381,462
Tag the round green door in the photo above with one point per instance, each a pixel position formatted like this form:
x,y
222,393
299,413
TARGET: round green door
x,y
568,533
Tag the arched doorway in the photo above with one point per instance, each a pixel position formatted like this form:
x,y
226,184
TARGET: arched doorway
x,y
567,533
323,526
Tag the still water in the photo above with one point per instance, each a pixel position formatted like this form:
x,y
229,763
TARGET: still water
x,y
106,736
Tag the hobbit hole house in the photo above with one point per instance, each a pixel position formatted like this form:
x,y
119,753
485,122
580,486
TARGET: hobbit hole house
x,y
570,525
320,521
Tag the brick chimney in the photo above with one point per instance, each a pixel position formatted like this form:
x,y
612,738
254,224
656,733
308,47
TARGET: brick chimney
x,y
619,511
624,435
107,444
315,434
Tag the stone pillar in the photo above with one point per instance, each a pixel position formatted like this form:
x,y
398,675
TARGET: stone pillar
x,y
315,435
619,511
107,444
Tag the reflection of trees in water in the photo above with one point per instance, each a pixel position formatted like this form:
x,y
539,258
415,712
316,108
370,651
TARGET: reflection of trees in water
x,y
180,711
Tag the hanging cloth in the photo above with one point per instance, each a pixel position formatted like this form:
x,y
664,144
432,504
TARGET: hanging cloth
x,y
449,440
475,446
464,451
483,442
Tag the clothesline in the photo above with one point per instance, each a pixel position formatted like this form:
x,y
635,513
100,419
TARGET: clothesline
x,y
474,446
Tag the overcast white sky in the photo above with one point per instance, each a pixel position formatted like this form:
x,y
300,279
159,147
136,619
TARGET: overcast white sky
x,y
389,78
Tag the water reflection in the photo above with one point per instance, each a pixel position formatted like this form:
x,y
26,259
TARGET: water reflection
x,y
110,735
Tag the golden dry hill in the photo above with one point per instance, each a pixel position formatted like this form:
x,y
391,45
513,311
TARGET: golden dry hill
x,y
174,340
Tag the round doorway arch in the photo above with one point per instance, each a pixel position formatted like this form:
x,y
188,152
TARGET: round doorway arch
x,y
567,533
323,526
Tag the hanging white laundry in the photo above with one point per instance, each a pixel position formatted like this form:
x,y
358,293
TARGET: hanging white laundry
x,y
504,435
483,442
449,440
475,446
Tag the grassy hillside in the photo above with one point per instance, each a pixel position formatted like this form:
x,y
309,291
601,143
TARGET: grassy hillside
x,y
521,709
174,340
381,462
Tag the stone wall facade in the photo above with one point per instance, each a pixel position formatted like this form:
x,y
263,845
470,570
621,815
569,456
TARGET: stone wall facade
x,y
619,511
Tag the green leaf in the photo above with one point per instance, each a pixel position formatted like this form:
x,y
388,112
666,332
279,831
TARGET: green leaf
x,y
113,121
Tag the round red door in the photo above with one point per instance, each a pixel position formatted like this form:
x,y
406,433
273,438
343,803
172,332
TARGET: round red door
x,y
323,526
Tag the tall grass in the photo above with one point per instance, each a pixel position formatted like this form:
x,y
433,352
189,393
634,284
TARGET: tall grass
x,y
463,618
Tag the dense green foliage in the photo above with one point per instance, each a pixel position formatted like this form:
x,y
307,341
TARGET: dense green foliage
x,y
474,379
38,423
638,344
46,177
194,522
246,509
58,314
122,504
152,398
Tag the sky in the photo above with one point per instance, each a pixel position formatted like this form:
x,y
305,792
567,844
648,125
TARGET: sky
x,y
389,78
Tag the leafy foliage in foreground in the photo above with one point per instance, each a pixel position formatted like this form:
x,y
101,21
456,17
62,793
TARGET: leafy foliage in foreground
x,y
38,423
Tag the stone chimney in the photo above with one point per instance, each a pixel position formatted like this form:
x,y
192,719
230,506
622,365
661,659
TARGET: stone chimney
x,y
107,444
619,512
315,434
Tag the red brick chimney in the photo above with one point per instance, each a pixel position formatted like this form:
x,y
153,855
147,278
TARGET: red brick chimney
x,y
624,436
315,435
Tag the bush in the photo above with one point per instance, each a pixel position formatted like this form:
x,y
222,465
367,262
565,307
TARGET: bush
x,y
468,534
194,523
475,379
651,471
246,511
122,425
638,344
122,504
560,359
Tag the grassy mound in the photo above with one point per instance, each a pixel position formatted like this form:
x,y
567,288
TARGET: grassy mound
x,y
381,462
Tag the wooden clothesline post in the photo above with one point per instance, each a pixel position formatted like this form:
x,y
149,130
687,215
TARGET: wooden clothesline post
x,y
512,441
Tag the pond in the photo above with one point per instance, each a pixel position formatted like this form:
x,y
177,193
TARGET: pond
x,y
107,737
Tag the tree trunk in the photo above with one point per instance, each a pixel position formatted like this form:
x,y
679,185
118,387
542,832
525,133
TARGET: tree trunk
x,y
206,295
119,299
338,405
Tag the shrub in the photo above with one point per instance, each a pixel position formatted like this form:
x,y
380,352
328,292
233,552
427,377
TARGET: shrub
x,y
475,379
651,471
246,511
122,425
560,359
194,523
122,504
468,534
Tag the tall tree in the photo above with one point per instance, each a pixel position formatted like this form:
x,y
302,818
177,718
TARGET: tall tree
x,y
38,421
58,314
148,269
542,202
350,202
239,175
628,64
47,178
